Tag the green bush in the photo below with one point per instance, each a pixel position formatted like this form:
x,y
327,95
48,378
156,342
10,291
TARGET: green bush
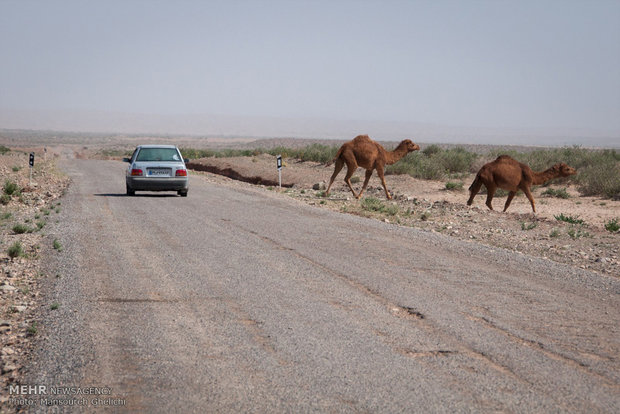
x,y
560,193
602,179
417,165
4,150
16,250
569,219
11,188
434,163
374,204
456,160
194,154
528,226
431,150
21,229
612,225
458,186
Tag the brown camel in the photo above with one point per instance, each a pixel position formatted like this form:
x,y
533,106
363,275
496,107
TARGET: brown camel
x,y
511,175
366,153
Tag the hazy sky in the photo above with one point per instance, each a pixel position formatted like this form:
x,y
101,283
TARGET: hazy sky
x,y
516,63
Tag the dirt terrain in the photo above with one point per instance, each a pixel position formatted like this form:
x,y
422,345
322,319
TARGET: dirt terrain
x,y
238,298
421,204
33,206
428,205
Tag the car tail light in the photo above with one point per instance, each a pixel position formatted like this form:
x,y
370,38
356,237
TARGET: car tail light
x,y
136,171
181,173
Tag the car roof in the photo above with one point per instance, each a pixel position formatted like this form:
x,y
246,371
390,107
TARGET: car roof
x,y
156,146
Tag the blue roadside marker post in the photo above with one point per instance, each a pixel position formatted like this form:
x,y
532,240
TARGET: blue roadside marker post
x,y
279,164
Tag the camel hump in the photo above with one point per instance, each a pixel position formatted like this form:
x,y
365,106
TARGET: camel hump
x,y
364,138
504,157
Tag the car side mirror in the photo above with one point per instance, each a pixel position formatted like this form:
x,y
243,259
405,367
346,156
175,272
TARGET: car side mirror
x,y
185,160
126,159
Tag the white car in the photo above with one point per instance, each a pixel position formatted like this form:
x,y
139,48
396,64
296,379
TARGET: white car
x,y
156,168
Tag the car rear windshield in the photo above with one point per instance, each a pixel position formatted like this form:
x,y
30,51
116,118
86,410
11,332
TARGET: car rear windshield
x,y
158,154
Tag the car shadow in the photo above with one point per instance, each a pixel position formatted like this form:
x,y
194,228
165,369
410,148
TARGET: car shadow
x,y
135,195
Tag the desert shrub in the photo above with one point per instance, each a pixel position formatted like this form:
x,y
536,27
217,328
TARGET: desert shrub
x,y
115,153
454,186
417,165
528,226
612,225
15,250
559,193
21,229
455,160
435,163
317,153
11,188
601,179
4,150
193,153
569,219
279,150
431,150
577,233
374,204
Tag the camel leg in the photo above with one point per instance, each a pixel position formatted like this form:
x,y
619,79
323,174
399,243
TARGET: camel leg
x,y
509,199
368,174
490,193
380,173
529,196
337,168
473,191
351,167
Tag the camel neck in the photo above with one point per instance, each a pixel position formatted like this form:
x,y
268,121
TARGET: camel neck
x,y
397,154
541,177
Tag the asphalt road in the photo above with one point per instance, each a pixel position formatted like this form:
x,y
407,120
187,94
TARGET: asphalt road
x,y
238,299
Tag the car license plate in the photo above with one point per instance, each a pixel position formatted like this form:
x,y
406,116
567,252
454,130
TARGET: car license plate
x,y
163,172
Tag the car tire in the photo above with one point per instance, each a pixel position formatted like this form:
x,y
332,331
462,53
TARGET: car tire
x,y
130,191
182,193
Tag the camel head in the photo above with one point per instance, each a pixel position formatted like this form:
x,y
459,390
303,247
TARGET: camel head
x,y
563,170
409,146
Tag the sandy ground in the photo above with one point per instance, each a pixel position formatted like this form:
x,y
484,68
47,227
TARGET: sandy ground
x,y
422,204
303,175
428,205
33,207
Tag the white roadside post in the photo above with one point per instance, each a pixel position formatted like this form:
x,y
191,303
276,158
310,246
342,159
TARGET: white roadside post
x,y
279,164
31,163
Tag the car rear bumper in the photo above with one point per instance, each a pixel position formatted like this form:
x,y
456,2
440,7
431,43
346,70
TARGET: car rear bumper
x,y
157,184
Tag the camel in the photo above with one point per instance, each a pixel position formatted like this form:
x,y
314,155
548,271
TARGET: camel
x,y
511,175
368,154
